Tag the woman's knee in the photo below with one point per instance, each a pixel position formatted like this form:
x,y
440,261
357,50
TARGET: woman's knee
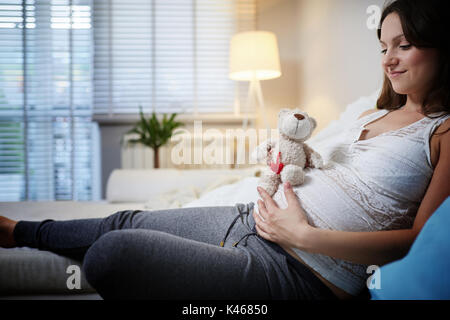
x,y
103,260
113,261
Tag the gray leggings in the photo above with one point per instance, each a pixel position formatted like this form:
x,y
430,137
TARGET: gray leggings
x,y
176,254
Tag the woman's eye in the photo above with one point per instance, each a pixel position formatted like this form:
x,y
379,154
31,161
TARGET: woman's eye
x,y
403,47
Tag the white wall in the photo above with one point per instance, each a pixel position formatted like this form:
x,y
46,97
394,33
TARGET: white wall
x,y
329,57
281,17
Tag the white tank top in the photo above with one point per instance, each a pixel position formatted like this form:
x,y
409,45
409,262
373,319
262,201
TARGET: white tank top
x,y
373,184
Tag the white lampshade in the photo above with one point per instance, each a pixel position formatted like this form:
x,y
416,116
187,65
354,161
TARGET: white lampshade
x,y
254,55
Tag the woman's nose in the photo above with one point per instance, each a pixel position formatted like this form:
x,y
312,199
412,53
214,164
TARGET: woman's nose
x,y
389,59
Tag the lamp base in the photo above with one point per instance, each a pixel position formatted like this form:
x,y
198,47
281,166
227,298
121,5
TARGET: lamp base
x,y
255,96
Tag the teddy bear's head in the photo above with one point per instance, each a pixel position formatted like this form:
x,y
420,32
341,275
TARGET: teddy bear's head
x,y
295,124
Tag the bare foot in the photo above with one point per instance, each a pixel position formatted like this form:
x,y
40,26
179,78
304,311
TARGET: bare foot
x,y
6,232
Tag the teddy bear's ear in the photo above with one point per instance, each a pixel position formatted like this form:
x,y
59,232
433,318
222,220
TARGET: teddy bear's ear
x,y
283,111
313,122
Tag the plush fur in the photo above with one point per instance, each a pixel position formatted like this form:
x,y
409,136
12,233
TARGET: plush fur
x,y
294,127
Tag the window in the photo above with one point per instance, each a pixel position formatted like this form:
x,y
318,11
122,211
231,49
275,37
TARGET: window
x,y
62,61
167,55
46,133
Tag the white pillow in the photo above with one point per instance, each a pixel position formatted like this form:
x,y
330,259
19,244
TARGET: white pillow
x,y
243,191
178,197
350,115
142,185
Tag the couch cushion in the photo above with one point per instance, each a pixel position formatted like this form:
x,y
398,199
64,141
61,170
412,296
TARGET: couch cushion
x,y
28,271
424,272
136,185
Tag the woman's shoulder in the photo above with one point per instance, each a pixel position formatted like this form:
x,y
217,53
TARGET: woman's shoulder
x,y
442,132
443,127
440,128
439,138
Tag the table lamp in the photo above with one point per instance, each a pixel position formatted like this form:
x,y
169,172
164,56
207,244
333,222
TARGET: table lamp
x,y
254,57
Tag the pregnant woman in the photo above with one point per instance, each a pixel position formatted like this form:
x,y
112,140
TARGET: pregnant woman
x,y
389,172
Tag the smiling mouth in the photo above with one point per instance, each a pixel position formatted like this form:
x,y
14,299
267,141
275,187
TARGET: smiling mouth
x,y
396,74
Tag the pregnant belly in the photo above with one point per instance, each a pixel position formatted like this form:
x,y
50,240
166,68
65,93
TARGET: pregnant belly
x,y
333,200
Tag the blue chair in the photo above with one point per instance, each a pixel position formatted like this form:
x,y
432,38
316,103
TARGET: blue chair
x,y
424,273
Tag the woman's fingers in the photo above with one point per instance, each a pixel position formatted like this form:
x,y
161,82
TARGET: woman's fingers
x,y
261,226
263,210
262,233
268,201
291,197
260,223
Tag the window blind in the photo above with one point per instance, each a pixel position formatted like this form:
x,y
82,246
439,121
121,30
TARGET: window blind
x,y
167,55
46,132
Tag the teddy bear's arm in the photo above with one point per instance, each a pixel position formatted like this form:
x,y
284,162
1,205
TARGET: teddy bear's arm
x,y
263,151
314,158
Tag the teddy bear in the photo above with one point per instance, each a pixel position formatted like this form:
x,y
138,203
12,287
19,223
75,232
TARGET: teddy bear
x,y
289,155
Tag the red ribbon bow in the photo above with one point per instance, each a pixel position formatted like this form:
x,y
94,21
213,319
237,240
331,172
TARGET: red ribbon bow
x,y
278,166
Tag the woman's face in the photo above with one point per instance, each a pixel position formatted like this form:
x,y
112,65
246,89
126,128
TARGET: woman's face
x,y
411,70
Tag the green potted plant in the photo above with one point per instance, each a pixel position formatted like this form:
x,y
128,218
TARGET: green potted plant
x,y
154,133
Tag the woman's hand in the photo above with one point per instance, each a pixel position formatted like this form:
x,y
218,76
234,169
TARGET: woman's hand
x,y
282,226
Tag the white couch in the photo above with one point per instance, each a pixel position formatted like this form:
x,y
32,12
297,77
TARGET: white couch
x,y
29,273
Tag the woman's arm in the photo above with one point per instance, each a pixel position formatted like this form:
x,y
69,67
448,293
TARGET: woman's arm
x,y
378,247
289,227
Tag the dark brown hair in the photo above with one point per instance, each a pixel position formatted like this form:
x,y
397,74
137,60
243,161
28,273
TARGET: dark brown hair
x,y
425,25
